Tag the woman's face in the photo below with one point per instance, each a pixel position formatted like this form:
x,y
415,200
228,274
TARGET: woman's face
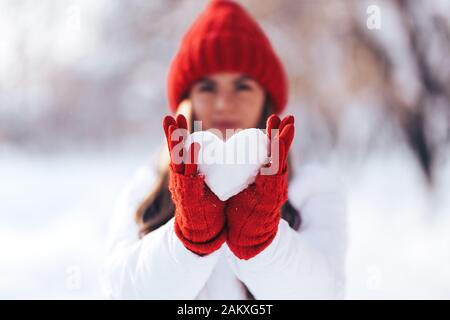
x,y
227,101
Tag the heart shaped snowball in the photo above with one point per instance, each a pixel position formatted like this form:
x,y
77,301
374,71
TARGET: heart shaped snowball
x,y
230,167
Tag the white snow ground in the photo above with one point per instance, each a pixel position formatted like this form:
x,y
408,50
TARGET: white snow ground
x,y
54,215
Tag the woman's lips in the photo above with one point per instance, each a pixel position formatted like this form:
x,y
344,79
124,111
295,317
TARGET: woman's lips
x,y
222,125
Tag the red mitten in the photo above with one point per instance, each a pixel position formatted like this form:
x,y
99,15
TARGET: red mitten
x,y
253,214
199,214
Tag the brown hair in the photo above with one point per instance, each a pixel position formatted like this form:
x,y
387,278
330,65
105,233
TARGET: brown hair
x,y
157,208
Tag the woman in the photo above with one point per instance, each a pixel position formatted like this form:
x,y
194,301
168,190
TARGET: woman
x,y
283,237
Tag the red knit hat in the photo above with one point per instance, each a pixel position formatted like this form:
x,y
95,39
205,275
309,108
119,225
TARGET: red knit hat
x,y
225,38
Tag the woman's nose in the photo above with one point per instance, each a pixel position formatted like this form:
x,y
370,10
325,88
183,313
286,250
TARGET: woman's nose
x,y
224,102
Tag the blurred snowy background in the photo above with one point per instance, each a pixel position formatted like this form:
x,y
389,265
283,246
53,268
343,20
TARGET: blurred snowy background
x,y
82,95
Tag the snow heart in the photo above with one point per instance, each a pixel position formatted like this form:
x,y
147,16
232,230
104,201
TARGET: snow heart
x,y
230,167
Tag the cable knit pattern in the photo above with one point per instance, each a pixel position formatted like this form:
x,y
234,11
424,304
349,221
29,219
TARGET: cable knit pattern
x,y
254,214
199,218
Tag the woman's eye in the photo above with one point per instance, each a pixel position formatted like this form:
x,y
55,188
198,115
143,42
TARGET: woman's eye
x,y
206,88
243,87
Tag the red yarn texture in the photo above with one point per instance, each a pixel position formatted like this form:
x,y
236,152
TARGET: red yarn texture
x,y
253,215
199,214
